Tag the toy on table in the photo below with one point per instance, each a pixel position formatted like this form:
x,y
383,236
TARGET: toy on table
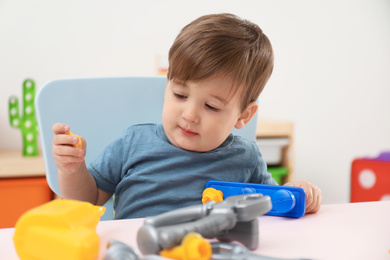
x,y
60,229
26,121
117,250
225,251
370,178
219,251
211,194
120,251
193,247
286,201
80,143
235,218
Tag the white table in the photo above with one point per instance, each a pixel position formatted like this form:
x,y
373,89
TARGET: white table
x,y
338,231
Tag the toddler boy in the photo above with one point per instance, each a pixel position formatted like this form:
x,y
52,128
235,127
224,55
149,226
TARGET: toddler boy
x,y
218,66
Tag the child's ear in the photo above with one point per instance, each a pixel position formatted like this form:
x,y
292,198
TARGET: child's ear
x,y
246,115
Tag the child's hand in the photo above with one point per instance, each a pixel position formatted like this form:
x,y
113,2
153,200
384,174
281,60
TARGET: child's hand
x,y
313,195
67,157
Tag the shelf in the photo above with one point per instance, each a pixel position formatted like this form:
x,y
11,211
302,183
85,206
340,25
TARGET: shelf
x,y
267,129
272,129
14,164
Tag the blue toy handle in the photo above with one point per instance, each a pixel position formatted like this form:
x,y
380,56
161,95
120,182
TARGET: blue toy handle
x,y
283,200
286,201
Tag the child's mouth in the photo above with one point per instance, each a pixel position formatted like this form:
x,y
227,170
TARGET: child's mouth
x,y
187,132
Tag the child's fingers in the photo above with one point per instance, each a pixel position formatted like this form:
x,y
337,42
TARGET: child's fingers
x,y
316,207
63,160
318,196
64,155
79,143
83,144
67,163
63,139
59,128
309,196
314,201
65,150
313,195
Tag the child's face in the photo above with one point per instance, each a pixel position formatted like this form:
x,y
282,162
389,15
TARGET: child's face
x,y
199,116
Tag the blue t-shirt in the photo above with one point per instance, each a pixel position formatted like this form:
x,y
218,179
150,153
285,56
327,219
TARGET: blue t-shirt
x,y
149,176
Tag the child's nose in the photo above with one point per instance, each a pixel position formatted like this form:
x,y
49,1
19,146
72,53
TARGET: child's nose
x,y
190,114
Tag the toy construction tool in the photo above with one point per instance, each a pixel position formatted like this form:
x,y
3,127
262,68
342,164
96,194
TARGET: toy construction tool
x,y
235,218
219,251
193,247
226,251
60,229
286,201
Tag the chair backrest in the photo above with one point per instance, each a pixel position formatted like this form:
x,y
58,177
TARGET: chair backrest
x,y
99,109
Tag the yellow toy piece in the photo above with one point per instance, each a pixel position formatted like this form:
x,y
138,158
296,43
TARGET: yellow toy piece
x,y
80,143
193,247
212,194
60,229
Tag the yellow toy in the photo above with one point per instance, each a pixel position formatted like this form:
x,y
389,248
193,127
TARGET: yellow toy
x,y
60,229
79,144
193,247
212,194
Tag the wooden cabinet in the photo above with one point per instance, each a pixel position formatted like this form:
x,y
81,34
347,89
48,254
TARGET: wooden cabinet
x,y
267,129
14,164
22,185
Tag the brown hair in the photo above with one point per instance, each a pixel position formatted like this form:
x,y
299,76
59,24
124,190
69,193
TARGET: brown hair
x,y
223,44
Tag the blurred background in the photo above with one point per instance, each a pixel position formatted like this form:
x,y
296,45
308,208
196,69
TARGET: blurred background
x,y
331,75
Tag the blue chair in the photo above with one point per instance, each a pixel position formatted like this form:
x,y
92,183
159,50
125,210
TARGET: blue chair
x,y
99,109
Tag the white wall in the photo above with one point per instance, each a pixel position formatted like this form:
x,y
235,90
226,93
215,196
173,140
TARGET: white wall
x,y
331,76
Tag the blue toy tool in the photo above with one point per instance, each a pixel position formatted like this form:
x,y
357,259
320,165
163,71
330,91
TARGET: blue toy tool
x,y
286,201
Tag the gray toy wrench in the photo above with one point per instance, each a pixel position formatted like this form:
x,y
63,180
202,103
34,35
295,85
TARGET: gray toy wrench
x,y
235,218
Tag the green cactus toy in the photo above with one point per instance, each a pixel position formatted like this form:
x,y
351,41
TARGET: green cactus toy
x,y
26,122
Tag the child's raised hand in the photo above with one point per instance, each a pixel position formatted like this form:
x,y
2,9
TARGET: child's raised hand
x,y
68,149
313,195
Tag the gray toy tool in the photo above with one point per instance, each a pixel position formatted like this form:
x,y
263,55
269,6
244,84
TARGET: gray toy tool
x,y
117,250
225,251
235,218
221,251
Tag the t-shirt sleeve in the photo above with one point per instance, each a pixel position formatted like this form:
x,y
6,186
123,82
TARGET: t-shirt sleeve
x,y
107,167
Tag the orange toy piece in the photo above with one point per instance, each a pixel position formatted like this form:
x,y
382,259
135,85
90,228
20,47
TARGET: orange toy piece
x,y
193,247
79,144
212,194
60,229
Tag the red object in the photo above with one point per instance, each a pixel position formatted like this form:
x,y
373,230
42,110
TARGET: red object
x,y
17,195
370,180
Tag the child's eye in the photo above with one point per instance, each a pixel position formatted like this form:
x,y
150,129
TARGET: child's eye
x,y
212,108
179,96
